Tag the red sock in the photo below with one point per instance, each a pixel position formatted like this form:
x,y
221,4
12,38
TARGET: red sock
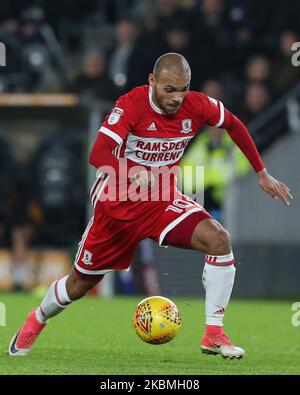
x,y
214,330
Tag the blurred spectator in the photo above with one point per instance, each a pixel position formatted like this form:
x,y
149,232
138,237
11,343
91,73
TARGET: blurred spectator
x,y
214,89
160,13
120,57
178,38
213,12
240,21
218,90
251,24
41,56
94,80
165,26
285,75
242,32
153,24
256,100
141,10
33,64
212,40
59,189
9,78
258,69
15,228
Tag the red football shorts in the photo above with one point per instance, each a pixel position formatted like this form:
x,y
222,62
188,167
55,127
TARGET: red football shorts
x,y
108,244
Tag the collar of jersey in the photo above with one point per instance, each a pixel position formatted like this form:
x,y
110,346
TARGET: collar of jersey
x,y
153,105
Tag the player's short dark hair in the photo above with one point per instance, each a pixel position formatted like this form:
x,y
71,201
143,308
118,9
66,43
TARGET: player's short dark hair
x,y
173,62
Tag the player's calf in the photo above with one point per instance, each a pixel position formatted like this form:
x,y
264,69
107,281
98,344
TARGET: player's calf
x,y
77,287
218,278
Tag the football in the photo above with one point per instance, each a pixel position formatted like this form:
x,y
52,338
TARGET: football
x,y
156,320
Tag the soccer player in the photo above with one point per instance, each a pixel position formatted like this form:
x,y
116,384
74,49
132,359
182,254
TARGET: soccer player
x,y
149,127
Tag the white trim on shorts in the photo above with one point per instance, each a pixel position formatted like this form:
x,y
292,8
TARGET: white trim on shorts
x,y
98,191
94,200
174,223
97,272
83,238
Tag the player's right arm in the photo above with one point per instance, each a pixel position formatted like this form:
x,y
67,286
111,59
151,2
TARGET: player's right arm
x,y
112,133
104,151
114,130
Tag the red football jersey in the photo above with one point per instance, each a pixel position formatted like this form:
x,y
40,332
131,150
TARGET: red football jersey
x,y
147,136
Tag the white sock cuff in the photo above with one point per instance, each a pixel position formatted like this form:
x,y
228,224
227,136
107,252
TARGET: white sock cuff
x,y
220,260
61,293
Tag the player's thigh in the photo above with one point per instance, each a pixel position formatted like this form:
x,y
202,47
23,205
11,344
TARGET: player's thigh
x,y
186,224
175,222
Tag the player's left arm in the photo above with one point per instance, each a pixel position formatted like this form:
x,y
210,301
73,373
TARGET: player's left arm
x,y
242,138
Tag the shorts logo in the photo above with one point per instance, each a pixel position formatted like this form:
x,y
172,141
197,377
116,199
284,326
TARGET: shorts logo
x,y
186,126
87,257
115,116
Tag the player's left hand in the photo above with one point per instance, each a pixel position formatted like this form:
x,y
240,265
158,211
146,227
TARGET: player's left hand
x,y
274,188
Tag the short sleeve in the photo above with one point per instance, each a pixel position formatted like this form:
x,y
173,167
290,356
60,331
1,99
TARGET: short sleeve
x,y
121,119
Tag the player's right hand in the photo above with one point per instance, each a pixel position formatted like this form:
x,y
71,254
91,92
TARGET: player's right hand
x,y
143,179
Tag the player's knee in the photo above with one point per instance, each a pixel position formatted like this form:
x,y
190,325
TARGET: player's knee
x,y
221,245
212,239
77,287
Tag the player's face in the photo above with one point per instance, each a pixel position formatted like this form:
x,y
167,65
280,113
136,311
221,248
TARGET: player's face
x,y
169,91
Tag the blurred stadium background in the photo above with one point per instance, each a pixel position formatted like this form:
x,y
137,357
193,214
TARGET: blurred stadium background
x,y
65,66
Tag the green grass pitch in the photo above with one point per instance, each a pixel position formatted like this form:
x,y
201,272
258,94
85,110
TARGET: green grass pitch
x,y
95,336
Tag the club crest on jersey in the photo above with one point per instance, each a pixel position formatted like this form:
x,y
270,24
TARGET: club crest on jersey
x,y
186,126
115,116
